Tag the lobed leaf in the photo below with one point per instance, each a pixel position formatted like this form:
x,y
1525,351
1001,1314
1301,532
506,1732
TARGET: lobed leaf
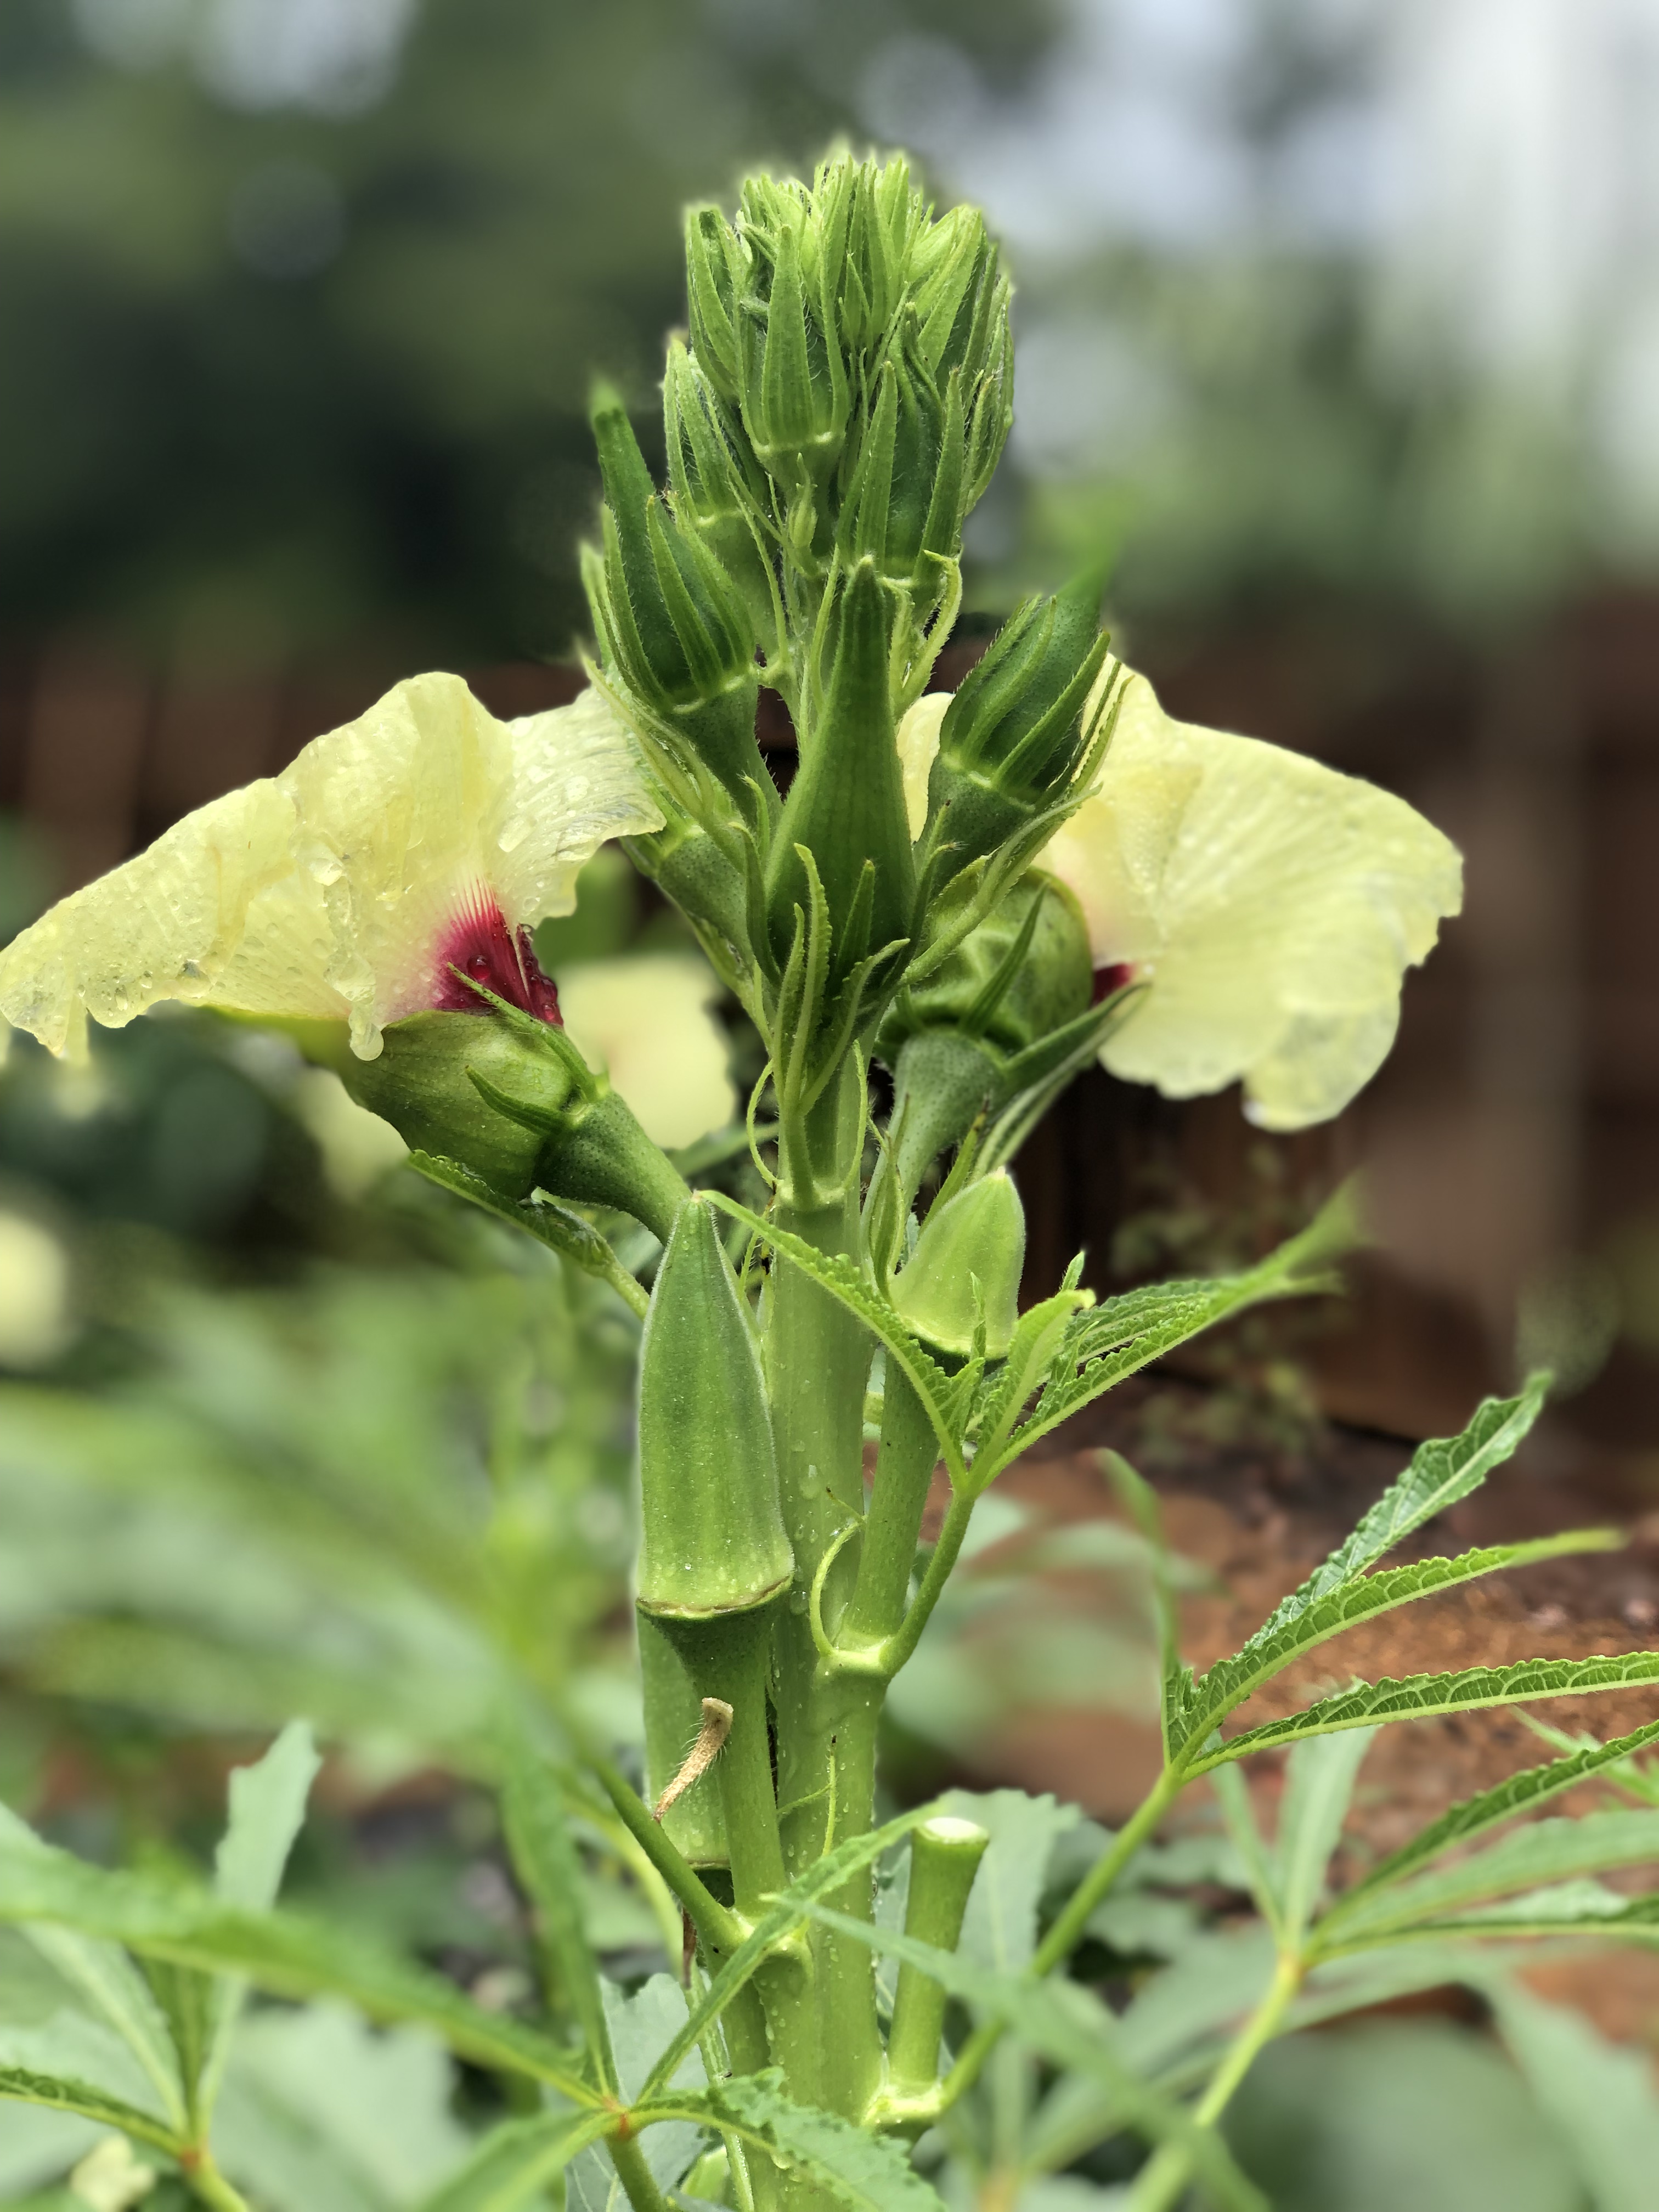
x,y
1505,1801
61,2094
1424,1696
1287,1635
1568,1908
277,1951
1542,1852
1319,1783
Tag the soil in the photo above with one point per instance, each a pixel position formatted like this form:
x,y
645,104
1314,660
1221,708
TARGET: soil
x,y
1259,1517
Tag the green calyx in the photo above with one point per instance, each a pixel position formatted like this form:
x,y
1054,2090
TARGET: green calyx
x,y
959,1289
1025,972
712,1542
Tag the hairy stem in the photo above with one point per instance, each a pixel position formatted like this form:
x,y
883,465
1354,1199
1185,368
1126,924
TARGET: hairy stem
x,y
635,2175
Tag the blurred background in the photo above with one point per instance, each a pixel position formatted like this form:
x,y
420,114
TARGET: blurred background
x,y
1339,325
1339,329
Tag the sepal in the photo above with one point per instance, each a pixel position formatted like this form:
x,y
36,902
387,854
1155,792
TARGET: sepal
x,y
959,1290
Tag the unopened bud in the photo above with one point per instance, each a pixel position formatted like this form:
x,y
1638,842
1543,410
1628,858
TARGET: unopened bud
x,y
963,1276
671,625
1015,733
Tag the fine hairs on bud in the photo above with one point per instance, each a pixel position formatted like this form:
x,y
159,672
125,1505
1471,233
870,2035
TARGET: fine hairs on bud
x,y
711,1739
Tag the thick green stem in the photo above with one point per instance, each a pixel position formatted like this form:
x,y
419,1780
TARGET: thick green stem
x,y
904,1472
818,1356
1162,2179
208,2186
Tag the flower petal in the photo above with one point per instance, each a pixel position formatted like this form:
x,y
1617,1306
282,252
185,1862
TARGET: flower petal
x,y
917,742
213,914
1273,904
409,813
648,1019
325,892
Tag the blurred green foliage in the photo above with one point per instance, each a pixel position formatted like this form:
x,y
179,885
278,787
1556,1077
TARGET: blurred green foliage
x,y
298,309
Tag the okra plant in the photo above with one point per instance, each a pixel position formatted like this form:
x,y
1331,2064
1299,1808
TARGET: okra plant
x,y
961,902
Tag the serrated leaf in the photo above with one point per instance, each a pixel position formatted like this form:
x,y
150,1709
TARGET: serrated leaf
x,y
864,2171
1071,2028
1442,1472
87,2102
267,1810
106,1979
545,1859
1424,1696
846,1283
1505,1801
1319,1781
1568,1908
513,2163
1114,1340
1544,1852
279,1951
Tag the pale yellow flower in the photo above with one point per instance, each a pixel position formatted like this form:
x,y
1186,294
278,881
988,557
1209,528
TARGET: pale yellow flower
x,y
648,1022
424,836
1271,905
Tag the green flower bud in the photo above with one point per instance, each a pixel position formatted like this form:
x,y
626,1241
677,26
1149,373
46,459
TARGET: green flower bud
x,y
794,394
717,500
965,1270
1026,971
422,1082
716,271
671,625
712,1542
846,806
904,506
1014,735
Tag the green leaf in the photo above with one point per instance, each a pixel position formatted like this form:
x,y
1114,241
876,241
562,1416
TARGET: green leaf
x,y
513,2163
640,2028
1542,1852
1072,2029
555,1225
1442,1472
1570,1908
1600,2098
846,1283
866,2172
545,1859
1422,1697
1319,1782
1519,1794
105,1978
823,1880
87,2102
267,1810
1115,1339
278,1951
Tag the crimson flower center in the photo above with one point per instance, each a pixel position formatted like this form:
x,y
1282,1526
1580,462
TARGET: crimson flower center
x,y
480,946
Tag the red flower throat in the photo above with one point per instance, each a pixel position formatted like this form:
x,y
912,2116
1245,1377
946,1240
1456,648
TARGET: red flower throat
x,y
479,944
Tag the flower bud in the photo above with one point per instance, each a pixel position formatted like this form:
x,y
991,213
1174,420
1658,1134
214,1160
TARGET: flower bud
x,y
846,806
672,624
1015,735
422,1082
719,496
904,504
713,1542
1026,971
794,394
964,1273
